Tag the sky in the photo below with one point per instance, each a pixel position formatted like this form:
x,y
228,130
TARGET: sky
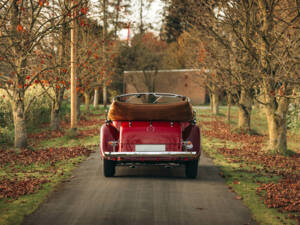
x,y
153,16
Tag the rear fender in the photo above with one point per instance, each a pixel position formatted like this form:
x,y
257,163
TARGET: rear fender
x,y
192,133
108,133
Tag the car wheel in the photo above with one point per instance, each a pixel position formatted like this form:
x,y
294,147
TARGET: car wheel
x,y
108,168
191,169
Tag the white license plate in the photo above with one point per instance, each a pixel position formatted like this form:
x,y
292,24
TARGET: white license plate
x,y
150,148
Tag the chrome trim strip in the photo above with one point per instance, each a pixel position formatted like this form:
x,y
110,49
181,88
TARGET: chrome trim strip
x,y
156,94
178,70
151,154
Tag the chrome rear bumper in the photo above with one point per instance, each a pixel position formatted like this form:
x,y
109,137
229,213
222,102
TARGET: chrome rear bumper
x,y
150,154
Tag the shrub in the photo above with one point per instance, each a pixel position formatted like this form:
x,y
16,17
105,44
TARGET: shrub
x,y
6,119
293,121
65,109
39,112
39,109
6,136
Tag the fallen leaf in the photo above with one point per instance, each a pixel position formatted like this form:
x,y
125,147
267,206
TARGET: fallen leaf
x,y
238,197
236,182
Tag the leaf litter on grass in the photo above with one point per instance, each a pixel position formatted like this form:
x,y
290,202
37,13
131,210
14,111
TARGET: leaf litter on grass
x,y
86,133
28,175
52,155
22,186
46,134
15,188
84,122
283,195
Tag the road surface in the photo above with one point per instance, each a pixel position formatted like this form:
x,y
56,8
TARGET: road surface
x,y
142,196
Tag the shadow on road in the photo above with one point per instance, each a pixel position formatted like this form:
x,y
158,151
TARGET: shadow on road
x,y
206,173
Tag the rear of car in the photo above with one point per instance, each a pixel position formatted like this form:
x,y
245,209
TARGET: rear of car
x,y
156,133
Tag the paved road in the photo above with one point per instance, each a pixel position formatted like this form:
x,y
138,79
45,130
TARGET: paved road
x,y
142,196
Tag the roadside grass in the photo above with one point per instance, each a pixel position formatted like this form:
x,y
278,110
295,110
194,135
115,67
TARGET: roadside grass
x,y
66,141
96,126
243,182
70,138
240,176
13,210
258,123
93,110
294,146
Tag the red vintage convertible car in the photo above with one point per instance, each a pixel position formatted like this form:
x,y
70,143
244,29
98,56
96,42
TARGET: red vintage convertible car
x,y
150,128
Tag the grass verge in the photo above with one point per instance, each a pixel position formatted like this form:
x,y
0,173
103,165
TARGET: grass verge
x,y
244,182
243,176
13,209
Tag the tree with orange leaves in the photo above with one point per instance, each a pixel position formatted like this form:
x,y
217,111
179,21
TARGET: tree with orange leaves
x,y
24,25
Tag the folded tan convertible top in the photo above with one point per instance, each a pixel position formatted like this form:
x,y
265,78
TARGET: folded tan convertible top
x,y
178,111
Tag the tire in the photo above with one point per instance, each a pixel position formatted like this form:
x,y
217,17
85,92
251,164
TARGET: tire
x,y
191,169
109,168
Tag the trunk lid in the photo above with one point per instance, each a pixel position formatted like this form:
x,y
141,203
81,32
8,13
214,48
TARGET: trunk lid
x,y
146,136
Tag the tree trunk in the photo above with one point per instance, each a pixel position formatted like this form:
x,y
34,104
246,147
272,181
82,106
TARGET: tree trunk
x,y
19,119
276,107
55,116
55,110
104,95
141,26
215,102
59,93
116,22
78,106
105,56
228,114
210,102
17,102
277,126
96,97
87,101
297,106
74,97
245,108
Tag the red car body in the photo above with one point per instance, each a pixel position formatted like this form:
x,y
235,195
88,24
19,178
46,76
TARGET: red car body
x,y
160,142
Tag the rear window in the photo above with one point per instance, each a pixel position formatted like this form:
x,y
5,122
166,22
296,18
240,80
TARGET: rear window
x,y
151,98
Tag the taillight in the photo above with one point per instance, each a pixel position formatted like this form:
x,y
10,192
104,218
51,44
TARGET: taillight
x,y
187,145
113,143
